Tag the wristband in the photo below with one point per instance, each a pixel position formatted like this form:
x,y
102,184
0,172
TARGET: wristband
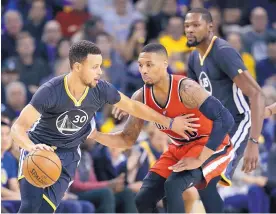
x,y
171,122
253,140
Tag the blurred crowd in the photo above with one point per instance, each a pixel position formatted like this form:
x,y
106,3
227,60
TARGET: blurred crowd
x,y
36,37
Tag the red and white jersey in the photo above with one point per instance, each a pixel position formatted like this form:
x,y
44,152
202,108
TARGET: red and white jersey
x,y
174,108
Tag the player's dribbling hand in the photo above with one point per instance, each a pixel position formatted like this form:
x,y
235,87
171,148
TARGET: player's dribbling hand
x,y
118,113
251,157
42,147
185,123
186,164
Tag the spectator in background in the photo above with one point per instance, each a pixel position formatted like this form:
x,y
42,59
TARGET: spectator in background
x,y
254,40
157,23
113,66
235,40
267,67
107,166
63,47
31,68
100,193
174,40
89,30
61,68
16,95
136,40
14,24
71,204
36,20
10,195
117,22
217,21
50,39
8,74
72,20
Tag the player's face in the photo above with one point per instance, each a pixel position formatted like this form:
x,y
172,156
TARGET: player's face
x,y
196,29
151,66
91,70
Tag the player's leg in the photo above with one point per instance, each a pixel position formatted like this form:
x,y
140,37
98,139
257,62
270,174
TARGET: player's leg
x,y
212,204
190,196
239,138
31,197
176,184
150,193
152,189
53,195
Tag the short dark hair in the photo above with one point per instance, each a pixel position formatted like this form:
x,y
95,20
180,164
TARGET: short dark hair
x,y
206,15
78,51
155,48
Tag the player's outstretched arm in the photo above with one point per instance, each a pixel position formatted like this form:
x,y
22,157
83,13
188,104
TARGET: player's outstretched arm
x,y
253,91
139,110
194,96
125,138
28,116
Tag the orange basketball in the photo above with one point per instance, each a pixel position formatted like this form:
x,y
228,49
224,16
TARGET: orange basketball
x,y
42,168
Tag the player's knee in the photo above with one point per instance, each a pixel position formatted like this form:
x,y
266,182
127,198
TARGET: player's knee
x,y
30,205
190,194
141,201
172,186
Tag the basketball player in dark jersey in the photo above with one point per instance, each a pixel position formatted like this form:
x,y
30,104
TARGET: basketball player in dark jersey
x,y
220,70
205,155
60,116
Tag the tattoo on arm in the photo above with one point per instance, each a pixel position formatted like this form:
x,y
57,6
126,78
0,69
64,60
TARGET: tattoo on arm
x,y
192,94
133,125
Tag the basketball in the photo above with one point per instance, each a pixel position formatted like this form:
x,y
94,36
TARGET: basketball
x,y
42,168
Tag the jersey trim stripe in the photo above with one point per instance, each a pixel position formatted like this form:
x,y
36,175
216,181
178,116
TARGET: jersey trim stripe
x,y
168,97
241,133
239,100
77,103
144,94
207,51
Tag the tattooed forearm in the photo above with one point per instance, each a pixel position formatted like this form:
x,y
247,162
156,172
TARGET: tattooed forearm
x,y
132,129
192,94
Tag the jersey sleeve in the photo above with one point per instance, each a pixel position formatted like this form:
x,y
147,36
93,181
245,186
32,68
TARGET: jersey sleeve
x,y
230,62
41,100
109,93
191,73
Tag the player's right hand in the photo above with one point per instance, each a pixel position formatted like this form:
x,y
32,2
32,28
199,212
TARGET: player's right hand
x,y
118,113
42,147
185,123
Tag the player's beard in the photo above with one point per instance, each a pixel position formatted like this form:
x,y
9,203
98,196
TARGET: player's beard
x,y
149,85
194,43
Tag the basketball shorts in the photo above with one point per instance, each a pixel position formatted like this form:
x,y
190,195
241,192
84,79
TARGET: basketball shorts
x,y
52,195
239,138
211,168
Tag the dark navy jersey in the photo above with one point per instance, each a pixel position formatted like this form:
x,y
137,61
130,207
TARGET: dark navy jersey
x,y
66,122
215,72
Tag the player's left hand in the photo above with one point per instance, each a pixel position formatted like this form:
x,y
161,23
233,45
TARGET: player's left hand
x,y
251,157
186,164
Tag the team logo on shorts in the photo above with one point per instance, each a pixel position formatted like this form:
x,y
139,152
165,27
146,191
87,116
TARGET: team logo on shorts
x,y
70,122
205,82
